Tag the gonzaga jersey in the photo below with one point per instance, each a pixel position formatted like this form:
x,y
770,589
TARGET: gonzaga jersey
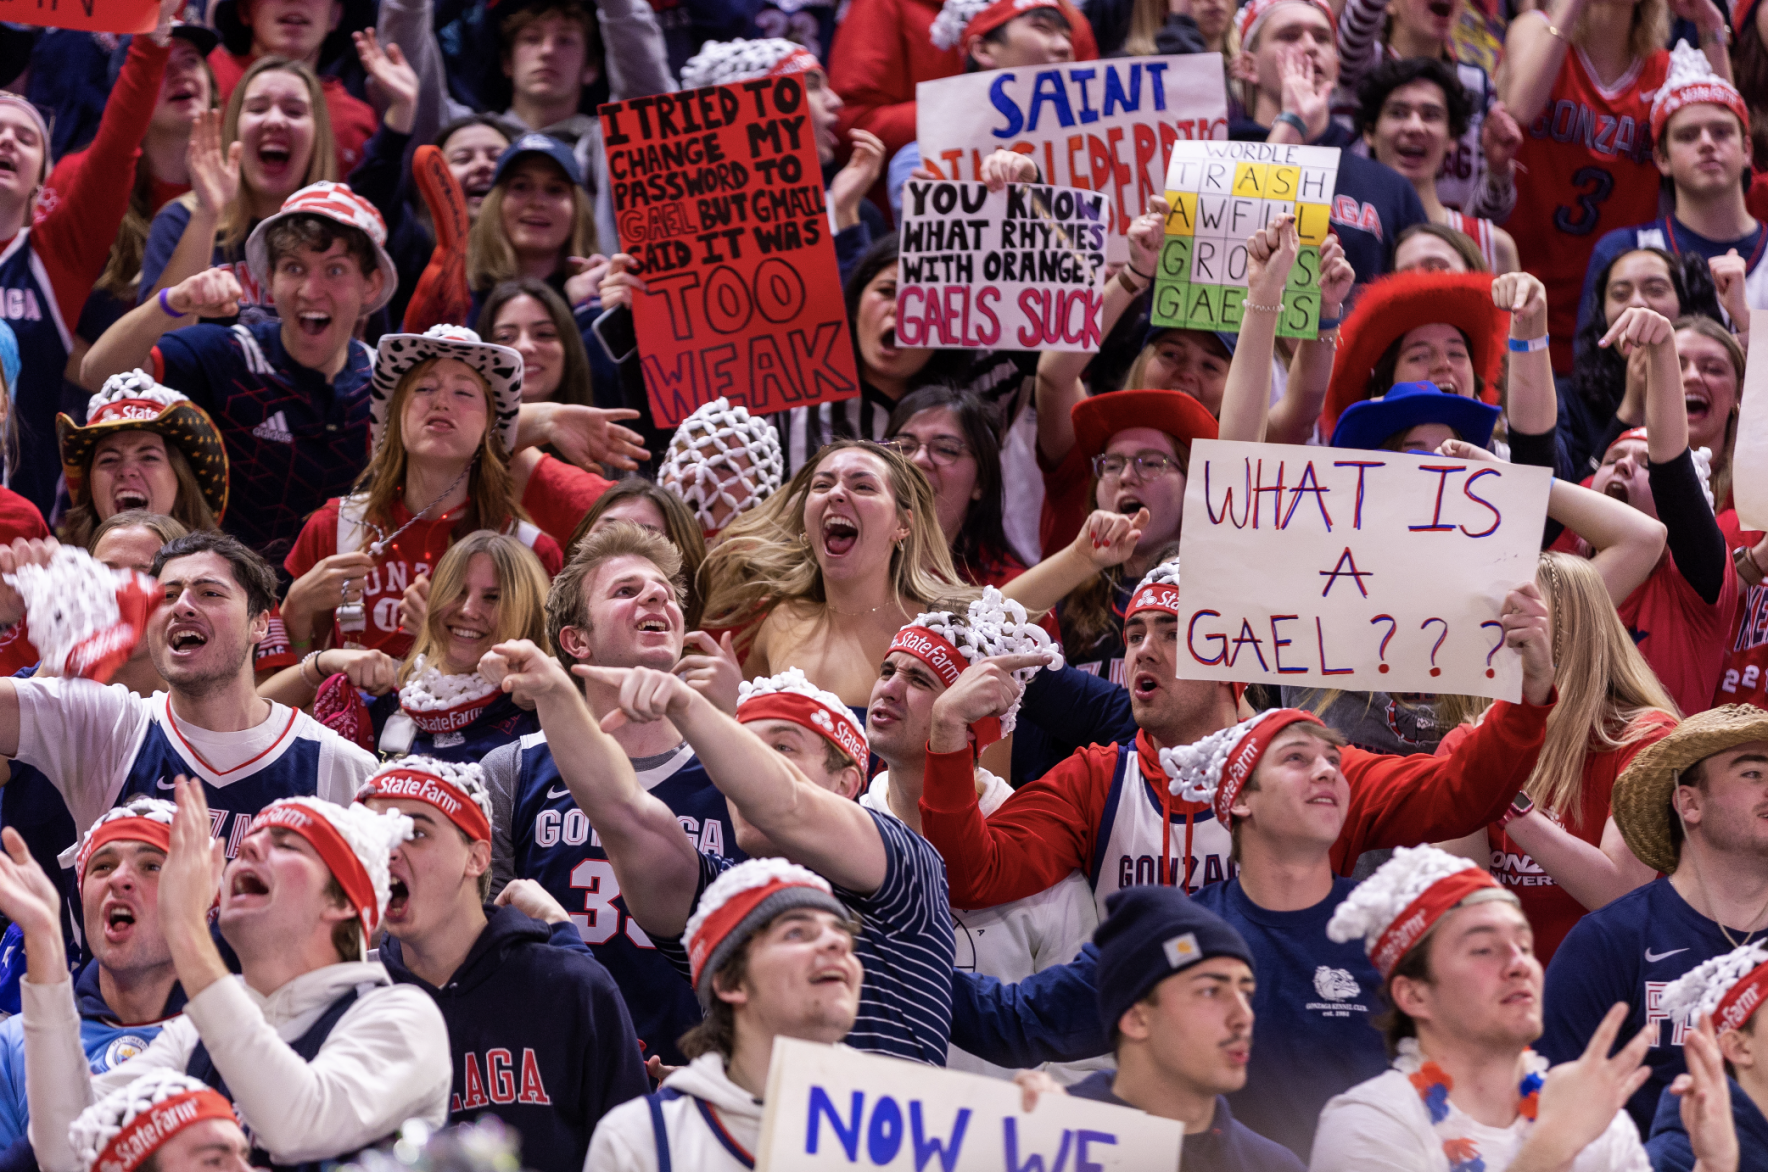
x,y
1584,168
99,745
27,302
555,845
1129,854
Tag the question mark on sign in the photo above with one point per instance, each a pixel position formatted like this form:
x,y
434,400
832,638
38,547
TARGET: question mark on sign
x,y
1434,669
1392,626
1493,623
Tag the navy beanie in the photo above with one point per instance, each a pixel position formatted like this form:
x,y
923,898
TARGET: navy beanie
x,y
1149,934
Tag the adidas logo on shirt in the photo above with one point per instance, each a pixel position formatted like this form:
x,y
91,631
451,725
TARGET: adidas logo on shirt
x,y
275,429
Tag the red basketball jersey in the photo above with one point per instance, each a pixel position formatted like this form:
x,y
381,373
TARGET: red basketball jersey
x,y
1584,168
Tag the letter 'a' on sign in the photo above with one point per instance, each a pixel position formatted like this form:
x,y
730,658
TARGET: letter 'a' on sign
x,y
833,1107
719,197
1104,126
1364,571
92,16
1220,194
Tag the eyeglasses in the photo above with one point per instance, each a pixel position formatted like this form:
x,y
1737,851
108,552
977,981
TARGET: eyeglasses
x,y
1148,465
942,451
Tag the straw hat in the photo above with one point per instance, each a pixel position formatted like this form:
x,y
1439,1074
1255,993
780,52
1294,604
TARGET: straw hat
x,y
1641,799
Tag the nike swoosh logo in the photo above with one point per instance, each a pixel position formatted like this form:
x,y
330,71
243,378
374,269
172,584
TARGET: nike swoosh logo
x,y
558,792
166,784
1653,957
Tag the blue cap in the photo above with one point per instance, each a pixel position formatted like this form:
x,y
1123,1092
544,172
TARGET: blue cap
x,y
1154,331
1149,934
1373,422
9,361
539,144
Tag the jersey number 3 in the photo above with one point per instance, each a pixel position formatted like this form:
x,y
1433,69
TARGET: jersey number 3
x,y
600,920
1595,186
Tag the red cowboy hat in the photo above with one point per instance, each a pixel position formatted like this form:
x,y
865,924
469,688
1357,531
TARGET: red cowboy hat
x,y
1100,417
1390,306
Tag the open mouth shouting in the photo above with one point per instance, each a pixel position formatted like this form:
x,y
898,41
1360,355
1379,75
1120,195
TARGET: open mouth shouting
x,y
1129,504
313,324
840,535
246,887
130,498
119,921
185,639
1143,685
1617,489
1699,405
653,624
398,898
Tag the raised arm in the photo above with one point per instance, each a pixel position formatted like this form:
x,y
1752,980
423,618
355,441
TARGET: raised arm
x,y
657,865
815,827
129,343
1534,53
1246,400
1292,420
1531,402
1107,539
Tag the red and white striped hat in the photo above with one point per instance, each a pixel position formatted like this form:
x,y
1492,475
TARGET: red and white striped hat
x,y
121,1131
1730,987
140,819
1396,907
791,696
740,903
334,201
353,841
457,789
1691,82
1216,768
1253,15
723,62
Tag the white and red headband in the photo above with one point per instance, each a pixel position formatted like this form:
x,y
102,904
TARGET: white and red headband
x,y
1253,15
1216,768
352,841
994,625
441,703
1730,987
457,789
147,820
1692,82
724,62
1396,907
743,900
84,617
959,20
791,696
132,395
126,1127
1158,590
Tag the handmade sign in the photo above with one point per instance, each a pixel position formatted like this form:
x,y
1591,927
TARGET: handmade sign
x,y
718,195
1749,460
92,16
831,1107
1104,126
1221,193
1016,269
1366,571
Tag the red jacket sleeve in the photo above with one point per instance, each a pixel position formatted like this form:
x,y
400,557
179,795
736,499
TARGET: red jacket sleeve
x,y
74,239
1476,771
882,51
558,495
1040,834
318,540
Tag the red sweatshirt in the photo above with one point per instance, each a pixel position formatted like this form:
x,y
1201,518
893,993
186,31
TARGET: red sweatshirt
x,y
1051,826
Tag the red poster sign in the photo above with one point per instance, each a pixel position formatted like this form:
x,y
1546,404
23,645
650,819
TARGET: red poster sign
x,y
93,16
719,197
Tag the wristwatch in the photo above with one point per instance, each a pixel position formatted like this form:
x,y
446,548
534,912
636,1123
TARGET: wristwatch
x,y
1519,805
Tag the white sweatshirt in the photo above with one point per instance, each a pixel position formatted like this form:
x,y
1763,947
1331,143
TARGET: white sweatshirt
x,y
385,1061
626,1138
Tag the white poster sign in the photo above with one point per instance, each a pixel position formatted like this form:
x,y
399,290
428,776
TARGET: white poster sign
x,y
1016,269
1366,571
1749,460
831,1107
1106,126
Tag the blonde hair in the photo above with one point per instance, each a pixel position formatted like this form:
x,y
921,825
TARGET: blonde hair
x,y
1605,685
1706,327
521,603
1650,31
491,258
491,498
565,604
1147,18
236,217
765,559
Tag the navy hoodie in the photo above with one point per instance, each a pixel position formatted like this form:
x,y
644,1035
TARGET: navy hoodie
x,y
1228,1146
539,1035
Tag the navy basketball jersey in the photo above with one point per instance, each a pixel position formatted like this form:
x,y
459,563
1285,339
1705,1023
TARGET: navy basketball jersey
x,y
27,302
555,845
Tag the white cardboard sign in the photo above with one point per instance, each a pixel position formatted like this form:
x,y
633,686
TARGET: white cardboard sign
x,y
1749,459
1107,126
1015,269
1366,571
829,1107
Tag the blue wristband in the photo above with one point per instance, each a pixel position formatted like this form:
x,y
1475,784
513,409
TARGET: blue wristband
x,y
167,308
1528,345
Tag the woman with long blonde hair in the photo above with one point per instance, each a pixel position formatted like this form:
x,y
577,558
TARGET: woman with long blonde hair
x,y
442,409
273,138
833,565
1557,847
536,221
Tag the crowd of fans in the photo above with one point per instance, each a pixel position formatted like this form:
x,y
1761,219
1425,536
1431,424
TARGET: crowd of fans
x,y
401,723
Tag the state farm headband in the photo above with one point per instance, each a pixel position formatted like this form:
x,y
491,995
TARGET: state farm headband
x,y
959,20
1691,82
1396,907
1158,590
352,841
457,790
1730,987
147,820
121,1131
1216,768
791,696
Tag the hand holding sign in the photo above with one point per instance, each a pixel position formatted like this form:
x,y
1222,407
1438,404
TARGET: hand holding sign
x,y
1526,629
